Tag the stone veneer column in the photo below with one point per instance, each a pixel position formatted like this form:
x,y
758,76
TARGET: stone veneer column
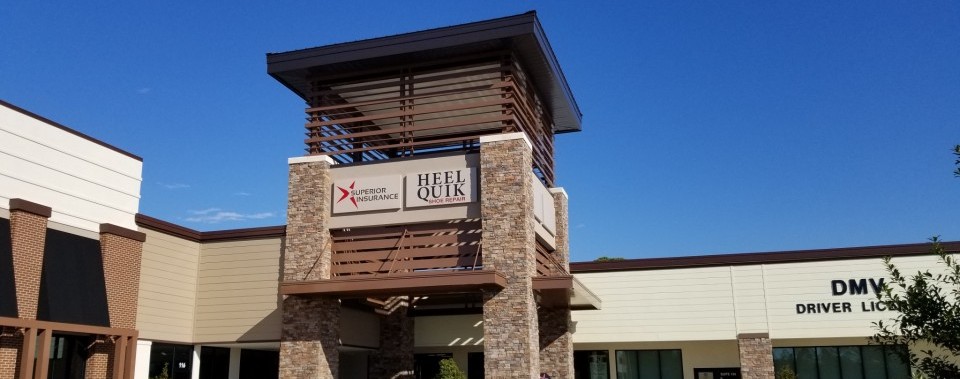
x,y
756,356
28,234
556,339
510,331
310,333
120,250
394,359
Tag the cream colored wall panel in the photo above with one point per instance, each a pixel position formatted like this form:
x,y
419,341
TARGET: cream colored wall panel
x,y
67,182
359,328
36,130
237,298
455,330
168,288
85,183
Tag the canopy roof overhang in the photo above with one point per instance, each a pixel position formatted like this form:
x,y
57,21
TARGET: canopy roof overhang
x,y
522,34
559,291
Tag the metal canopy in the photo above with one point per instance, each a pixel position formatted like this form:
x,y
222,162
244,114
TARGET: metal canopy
x,y
521,34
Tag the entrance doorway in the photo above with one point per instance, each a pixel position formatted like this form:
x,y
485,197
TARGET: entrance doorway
x,y
427,366
68,356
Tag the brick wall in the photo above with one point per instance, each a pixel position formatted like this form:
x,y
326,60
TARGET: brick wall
x,y
28,233
510,332
100,362
309,336
10,344
121,250
756,356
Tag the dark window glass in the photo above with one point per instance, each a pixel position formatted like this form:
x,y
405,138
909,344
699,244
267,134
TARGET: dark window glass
x,y
72,289
68,357
176,360
828,360
591,364
896,367
427,366
475,365
840,362
8,293
851,362
873,362
649,364
215,362
783,363
670,365
256,364
806,362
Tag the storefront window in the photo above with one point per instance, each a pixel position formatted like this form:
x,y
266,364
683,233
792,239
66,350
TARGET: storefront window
x,y
170,361
839,362
649,364
591,364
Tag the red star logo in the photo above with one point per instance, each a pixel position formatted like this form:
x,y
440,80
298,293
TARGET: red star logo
x,y
345,192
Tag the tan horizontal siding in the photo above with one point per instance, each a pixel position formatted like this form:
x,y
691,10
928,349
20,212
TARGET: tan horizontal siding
x,y
168,288
237,291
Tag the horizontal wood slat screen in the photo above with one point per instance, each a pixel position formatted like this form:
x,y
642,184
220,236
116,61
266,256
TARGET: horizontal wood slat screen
x,y
546,264
380,251
409,110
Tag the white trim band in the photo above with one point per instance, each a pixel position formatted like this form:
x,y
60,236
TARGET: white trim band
x,y
559,190
506,137
310,158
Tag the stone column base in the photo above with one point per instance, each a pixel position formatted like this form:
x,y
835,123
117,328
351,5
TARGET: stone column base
x,y
756,356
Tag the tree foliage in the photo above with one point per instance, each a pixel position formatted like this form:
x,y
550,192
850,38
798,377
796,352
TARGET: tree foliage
x,y
956,151
608,259
450,370
927,316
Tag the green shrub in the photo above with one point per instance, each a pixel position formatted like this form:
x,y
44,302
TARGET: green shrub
x,y
449,370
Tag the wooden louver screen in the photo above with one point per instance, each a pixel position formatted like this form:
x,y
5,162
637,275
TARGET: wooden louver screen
x,y
416,109
381,251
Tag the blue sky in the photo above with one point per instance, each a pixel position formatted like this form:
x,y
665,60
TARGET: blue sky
x,y
709,127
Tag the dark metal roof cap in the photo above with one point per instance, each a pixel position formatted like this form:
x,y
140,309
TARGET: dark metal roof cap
x,y
521,33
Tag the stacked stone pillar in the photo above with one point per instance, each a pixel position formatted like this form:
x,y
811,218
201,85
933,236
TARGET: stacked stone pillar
x,y
756,356
556,338
394,359
309,337
510,330
28,233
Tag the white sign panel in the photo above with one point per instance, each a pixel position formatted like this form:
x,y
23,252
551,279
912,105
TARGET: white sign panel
x,y
442,187
367,194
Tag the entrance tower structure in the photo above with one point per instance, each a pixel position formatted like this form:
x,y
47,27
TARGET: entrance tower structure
x,y
428,187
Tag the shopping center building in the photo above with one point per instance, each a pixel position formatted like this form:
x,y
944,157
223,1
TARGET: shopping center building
x,y
424,222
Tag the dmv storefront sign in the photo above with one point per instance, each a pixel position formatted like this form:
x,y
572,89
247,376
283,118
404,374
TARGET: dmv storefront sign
x,y
848,287
423,189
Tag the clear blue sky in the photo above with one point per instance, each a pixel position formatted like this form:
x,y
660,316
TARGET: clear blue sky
x,y
709,127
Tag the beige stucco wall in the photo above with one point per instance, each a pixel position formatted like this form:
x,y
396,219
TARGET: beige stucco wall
x,y
237,291
168,288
